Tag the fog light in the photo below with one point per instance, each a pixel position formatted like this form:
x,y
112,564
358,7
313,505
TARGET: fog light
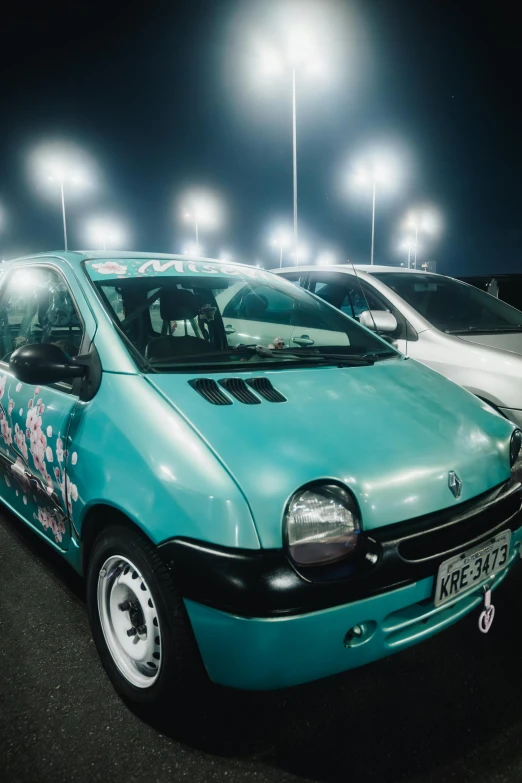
x,y
360,633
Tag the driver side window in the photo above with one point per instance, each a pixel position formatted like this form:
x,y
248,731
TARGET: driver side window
x,y
36,307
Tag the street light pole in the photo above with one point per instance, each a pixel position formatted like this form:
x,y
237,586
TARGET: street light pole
x,y
294,146
415,251
63,214
373,218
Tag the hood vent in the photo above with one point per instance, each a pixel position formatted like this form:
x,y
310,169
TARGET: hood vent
x,y
238,389
264,387
209,389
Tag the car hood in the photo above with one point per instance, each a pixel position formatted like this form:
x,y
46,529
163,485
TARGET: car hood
x,y
509,341
391,432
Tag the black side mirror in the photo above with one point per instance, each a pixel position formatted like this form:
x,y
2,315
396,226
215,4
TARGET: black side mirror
x,y
43,363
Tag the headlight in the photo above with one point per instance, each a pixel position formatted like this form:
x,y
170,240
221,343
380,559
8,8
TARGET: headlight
x,y
515,454
322,525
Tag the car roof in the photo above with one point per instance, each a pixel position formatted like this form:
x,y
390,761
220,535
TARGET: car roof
x,y
348,269
107,255
493,276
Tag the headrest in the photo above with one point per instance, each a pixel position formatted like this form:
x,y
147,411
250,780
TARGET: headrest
x,y
178,304
255,305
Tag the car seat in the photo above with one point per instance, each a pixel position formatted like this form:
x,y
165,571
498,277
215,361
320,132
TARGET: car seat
x,y
177,305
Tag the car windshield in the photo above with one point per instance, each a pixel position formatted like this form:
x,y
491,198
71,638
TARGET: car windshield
x,y
452,306
177,313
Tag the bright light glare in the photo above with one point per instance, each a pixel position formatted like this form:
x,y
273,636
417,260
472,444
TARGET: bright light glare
x,y
424,220
204,208
225,256
270,63
303,251
326,258
281,238
192,250
61,162
105,233
380,170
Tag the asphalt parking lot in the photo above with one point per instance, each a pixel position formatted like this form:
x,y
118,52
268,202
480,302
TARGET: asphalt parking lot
x,y
448,710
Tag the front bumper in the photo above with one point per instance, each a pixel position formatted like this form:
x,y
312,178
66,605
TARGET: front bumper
x,y
260,624
278,652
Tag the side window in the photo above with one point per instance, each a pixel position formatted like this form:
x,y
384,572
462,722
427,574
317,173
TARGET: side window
x,y
297,278
36,307
345,294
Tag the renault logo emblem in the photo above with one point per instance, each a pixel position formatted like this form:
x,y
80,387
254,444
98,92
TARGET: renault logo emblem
x,y
454,483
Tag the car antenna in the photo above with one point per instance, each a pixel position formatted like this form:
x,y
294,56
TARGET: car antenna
x,y
363,293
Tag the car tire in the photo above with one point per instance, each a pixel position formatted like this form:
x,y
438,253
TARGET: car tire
x,y
139,622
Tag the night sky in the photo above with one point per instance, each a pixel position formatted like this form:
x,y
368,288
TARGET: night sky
x,y
163,96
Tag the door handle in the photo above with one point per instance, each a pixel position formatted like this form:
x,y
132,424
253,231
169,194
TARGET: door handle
x,y
230,329
303,340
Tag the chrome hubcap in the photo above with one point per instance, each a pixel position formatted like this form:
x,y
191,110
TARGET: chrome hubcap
x,y
129,621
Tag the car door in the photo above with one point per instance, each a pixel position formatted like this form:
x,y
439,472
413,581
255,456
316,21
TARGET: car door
x,y
256,314
37,306
354,296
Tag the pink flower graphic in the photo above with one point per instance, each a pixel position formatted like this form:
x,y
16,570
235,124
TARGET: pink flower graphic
x,y
110,268
21,442
6,431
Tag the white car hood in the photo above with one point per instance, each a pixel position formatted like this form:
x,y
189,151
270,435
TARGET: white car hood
x,y
507,341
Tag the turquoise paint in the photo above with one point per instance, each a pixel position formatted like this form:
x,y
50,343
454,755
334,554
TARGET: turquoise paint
x,y
391,432
261,654
152,448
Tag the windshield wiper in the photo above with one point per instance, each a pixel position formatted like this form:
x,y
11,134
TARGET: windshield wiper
x,y
337,358
376,356
315,357
485,330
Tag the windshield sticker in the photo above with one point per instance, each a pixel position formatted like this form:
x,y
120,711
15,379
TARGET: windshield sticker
x,y
137,267
110,268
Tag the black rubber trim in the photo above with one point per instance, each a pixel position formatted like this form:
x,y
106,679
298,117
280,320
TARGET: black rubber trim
x,y
264,583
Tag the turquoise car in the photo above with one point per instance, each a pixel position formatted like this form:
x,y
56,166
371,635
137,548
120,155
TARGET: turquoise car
x,y
258,490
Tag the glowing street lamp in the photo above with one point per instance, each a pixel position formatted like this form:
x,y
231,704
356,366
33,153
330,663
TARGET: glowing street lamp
x,y
105,233
326,258
299,56
421,221
63,175
408,244
203,210
65,168
300,254
375,172
281,240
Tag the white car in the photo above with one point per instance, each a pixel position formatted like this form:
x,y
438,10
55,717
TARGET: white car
x,y
460,331
265,316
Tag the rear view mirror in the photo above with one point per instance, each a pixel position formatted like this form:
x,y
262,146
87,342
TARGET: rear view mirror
x,y
43,363
378,320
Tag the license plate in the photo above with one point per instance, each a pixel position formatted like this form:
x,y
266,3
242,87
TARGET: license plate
x,y
465,571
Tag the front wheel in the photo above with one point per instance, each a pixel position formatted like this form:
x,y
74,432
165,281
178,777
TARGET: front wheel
x,y
138,620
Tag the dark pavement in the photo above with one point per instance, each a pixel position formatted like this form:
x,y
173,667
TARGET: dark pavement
x,y
448,710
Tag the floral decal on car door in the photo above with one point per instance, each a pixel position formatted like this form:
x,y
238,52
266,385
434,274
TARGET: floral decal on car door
x,y
46,452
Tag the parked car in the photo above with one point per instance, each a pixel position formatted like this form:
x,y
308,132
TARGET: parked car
x,y
458,330
505,287
262,517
